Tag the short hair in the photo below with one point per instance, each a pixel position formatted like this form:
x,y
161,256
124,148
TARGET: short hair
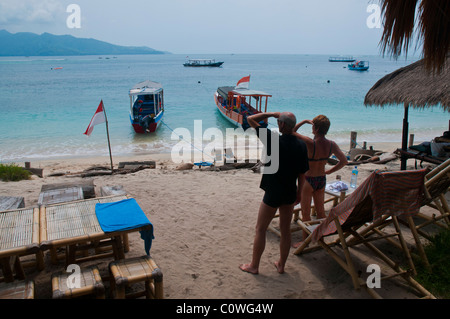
x,y
289,119
322,124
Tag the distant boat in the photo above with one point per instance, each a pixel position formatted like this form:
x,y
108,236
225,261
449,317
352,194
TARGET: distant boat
x,y
146,106
202,62
359,66
235,103
347,58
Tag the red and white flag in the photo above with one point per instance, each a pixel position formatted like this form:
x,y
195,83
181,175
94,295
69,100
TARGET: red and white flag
x,y
243,83
98,118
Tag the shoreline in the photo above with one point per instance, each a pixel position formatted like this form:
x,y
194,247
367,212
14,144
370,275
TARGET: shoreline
x,y
165,157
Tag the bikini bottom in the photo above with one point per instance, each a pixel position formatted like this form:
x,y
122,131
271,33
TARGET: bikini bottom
x,y
316,182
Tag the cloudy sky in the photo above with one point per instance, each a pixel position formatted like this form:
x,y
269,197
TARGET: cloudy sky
x,y
207,26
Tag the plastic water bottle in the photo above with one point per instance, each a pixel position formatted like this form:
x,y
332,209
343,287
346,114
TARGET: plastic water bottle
x,y
354,177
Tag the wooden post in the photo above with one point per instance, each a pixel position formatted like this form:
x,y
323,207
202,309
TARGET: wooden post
x,y
404,138
411,140
107,134
353,139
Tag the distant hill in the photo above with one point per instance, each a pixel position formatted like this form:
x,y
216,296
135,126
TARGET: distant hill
x,y
46,44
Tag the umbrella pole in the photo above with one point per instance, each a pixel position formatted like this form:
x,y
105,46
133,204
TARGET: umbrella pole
x,y
405,138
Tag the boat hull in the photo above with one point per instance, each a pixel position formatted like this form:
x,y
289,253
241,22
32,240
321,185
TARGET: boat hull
x,y
234,118
152,127
358,69
215,64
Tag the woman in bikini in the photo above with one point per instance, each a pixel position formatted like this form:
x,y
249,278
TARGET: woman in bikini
x,y
319,150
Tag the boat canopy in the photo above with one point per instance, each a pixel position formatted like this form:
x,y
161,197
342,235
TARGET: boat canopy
x,y
247,92
146,87
225,90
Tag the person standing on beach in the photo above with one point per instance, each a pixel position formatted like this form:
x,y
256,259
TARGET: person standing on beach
x,y
319,150
282,186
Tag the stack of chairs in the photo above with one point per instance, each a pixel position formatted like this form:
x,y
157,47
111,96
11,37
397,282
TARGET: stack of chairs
x,y
382,198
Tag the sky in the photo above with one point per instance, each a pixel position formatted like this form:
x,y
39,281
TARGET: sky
x,y
332,27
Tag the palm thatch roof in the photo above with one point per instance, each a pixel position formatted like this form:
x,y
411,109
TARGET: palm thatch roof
x,y
433,19
412,85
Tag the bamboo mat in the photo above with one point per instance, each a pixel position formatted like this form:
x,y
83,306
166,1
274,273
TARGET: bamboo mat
x,y
72,220
19,229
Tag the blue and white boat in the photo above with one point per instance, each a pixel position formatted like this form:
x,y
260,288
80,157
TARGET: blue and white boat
x,y
359,66
146,106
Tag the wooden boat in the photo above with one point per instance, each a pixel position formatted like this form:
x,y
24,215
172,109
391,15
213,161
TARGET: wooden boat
x,y
359,66
202,62
237,103
341,58
146,106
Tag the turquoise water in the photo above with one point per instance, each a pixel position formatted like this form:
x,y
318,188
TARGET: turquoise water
x,y
44,111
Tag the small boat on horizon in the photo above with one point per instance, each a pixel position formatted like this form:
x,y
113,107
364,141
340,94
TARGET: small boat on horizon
x,y
235,103
146,106
341,58
202,62
359,66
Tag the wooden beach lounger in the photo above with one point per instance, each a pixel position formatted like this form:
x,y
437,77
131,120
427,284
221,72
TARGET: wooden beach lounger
x,y
392,194
436,185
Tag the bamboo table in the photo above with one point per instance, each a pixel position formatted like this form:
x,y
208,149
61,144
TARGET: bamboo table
x,y
75,226
19,236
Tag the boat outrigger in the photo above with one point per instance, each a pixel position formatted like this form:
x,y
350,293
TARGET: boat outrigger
x,y
202,62
146,106
235,104
359,66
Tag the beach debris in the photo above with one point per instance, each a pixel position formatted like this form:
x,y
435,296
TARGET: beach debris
x,y
35,171
378,158
250,164
184,166
134,164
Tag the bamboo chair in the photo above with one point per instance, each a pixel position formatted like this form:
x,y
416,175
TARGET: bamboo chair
x,y
436,185
383,193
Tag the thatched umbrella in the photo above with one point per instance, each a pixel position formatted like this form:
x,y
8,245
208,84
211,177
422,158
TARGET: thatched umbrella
x,y
412,86
433,28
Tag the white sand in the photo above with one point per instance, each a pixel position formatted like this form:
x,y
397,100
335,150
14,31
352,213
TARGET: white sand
x,y
204,226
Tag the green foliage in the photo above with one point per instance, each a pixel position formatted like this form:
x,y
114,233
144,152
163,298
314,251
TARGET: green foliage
x,y
438,253
12,172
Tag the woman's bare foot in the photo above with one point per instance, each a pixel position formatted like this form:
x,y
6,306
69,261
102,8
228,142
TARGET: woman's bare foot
x,y
280,269
249,269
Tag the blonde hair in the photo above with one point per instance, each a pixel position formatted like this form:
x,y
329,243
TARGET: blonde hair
x,y
322,124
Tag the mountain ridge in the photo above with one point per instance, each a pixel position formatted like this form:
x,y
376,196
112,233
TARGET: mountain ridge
x,y
47,44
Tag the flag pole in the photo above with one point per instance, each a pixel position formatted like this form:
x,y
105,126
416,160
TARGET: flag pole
x,y
107,134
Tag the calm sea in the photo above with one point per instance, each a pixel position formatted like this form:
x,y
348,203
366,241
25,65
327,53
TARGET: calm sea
x,y
46,103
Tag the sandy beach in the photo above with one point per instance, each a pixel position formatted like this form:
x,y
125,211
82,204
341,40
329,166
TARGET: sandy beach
x,y
204,227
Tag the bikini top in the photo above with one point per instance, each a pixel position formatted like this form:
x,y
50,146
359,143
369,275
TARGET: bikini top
x,y
312,159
